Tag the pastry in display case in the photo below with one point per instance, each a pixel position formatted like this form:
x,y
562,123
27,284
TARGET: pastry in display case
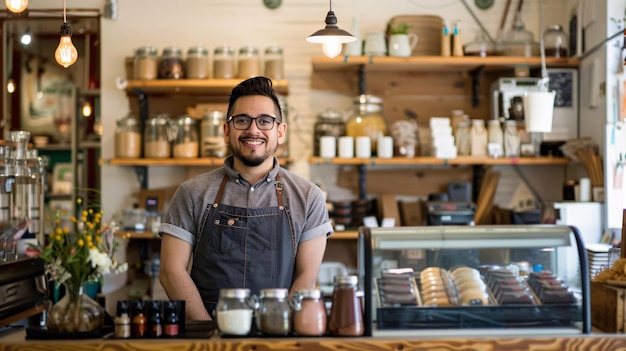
x,y
521,279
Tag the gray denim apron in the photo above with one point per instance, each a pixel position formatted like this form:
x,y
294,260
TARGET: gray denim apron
x,y
243,248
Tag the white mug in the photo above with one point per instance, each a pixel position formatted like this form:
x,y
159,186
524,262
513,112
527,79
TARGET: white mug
x,y
375,44
402,45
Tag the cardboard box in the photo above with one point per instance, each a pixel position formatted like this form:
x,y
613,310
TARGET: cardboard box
x,y
607,307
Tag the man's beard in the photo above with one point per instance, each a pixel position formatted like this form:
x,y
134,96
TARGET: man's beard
x,y
252,160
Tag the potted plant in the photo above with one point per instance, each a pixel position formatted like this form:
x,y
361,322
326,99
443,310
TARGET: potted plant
x,y
401,42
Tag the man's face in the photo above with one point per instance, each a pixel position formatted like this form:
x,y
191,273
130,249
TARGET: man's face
x,y
253,145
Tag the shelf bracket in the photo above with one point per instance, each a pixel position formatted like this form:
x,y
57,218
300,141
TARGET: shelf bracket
x,y
362,85
476,73
142,176
362,182
142,98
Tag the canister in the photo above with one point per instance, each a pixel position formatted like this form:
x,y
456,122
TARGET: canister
x,y
273,316
273,61
346,315
224,64
309,312
197,63
145,63
127,137
186,142
212,135
157,137
234,312
249,62
171,63
367,120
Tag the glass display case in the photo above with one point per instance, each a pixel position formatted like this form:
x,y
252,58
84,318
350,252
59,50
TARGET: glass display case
x,y
521,279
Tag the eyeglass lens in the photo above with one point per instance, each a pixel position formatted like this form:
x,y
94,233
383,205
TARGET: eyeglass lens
x,y
243,122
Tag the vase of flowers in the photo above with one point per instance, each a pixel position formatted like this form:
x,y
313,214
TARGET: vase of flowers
x,y
74,258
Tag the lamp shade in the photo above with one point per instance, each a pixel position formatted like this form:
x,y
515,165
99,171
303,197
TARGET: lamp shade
x,y
331,32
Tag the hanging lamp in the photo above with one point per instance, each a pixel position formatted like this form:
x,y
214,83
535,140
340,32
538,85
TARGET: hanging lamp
x,y
331,37
66,53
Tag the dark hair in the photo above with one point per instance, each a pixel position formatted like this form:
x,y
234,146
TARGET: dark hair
x,y
255,86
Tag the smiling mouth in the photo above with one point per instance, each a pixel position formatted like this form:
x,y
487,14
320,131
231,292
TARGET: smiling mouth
x,y
253,142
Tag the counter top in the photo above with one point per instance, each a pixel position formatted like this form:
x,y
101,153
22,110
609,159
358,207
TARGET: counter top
x,y
594,342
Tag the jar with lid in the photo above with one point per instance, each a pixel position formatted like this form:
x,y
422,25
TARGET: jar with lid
x,y
346,315
479,138
127,137
309,316
367,119
480,46
145,63
519,41
171,63
555,42
212,135
273,316
463,138
249,64
224,62
157,137
186,142
511,139
197,63
328,123
234,312
274,67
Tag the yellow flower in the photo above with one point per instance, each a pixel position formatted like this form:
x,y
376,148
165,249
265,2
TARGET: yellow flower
x,y
80,242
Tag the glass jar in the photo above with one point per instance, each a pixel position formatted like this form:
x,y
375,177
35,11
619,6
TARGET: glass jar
x,y
309,316
212,135
234,312
127,137
224,62
197,64
555,42
157,137
480,46
145,63
274,67
328,123
346,315
186,142
249,64
463,138
274,314
367,119
519,41
511,139
171,64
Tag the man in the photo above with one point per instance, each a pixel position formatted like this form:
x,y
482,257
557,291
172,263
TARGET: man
x,y
250,224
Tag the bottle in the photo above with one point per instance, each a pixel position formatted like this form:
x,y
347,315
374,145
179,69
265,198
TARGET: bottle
x,y
122,321
139,322
457,41
171,325
224,62
145,63
463,138
495,136
555,42
511,139
197,64
445,40
346,316
274,62
156,322
478,134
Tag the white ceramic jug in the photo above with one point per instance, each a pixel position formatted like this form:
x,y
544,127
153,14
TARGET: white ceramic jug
x,y
402,45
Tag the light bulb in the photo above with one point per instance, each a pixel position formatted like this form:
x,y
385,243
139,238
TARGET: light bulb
x,y
16,6
26,38
66,54
331,48
10,86
86,110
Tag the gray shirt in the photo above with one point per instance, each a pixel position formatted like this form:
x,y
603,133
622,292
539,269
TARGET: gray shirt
x,y
304,200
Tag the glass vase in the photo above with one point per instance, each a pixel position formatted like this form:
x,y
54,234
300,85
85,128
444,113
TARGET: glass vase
x,y
75,312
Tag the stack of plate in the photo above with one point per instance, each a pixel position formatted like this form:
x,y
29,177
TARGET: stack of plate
x,y
428,29
598,257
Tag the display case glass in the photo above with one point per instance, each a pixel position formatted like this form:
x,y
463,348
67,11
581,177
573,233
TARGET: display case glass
x,y
523,279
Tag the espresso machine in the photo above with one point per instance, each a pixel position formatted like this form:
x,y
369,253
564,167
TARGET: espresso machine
x,y
23,286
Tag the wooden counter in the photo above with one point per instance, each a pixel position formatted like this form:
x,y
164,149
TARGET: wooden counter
x,y
594,342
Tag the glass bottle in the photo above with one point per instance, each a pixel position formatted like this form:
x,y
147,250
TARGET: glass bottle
x,y
234,312
224,62
186,142
328,123
171,325
212,135
197,63
274,67
274,313
479,138
145,63
122,320
309,316
127,137
157,137
346,316
555,42
249,64
367,119
156,321
139,322
171,63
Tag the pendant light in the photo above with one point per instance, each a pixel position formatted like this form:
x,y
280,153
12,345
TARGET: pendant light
x,y
11,86
331,37
16,6
66,54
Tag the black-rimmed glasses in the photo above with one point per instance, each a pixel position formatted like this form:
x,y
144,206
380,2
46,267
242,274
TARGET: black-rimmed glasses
x,y
243,122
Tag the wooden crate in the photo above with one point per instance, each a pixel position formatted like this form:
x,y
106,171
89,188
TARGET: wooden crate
x,y
608,304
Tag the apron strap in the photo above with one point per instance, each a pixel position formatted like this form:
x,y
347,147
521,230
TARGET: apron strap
x,y
218,197
279,191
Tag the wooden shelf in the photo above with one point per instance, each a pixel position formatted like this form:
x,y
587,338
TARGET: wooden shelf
x,y
435,63
221,87
192,162
461,160
344,235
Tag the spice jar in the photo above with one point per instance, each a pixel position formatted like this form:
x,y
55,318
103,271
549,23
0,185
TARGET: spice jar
x,y
157,137
171,65
197,64
274,313
555,42
212,135
234,312
186,142
328,123
309,316
346,316
127,137
224,62
145,63
274,68
367,120
249,62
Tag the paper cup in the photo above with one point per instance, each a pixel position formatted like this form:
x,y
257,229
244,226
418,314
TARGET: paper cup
x,y
538,111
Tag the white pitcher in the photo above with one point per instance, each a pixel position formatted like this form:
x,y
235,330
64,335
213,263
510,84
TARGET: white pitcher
x,y
402,45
